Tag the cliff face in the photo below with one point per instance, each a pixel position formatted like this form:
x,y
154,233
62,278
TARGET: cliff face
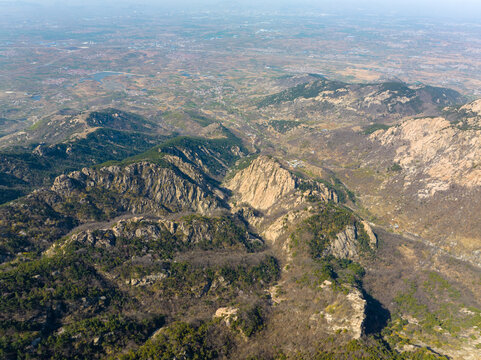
x,y
436,151
287,200
141,187
346,244
265,183
63,143
437,182
472,110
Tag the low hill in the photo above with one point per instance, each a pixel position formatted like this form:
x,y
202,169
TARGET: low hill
x,y
357,103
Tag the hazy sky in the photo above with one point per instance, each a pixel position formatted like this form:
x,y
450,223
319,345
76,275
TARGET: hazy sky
x,y
470,9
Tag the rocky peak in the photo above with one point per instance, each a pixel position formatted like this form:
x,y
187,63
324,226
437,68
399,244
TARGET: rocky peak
x,y
263,183
266,184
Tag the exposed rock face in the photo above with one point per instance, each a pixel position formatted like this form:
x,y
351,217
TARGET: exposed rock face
x,y
474,108
370,234
199,161
344,313
265,184
345,245
176,182
358,315
279,226
64,184
437,183
99,238
188,231
283,199
142,187
227,314
436,151
146,280
187,168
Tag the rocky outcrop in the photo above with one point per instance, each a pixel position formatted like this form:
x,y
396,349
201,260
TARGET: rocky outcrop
x,y
176,180
279,227
142,187
187,168
473,108
186,231
435,153
345,313
227,314
372,237
346,244
265,183
358,314
98,238
194,162
146,280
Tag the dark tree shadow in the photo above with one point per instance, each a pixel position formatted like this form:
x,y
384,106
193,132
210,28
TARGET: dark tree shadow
x,y
377,316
